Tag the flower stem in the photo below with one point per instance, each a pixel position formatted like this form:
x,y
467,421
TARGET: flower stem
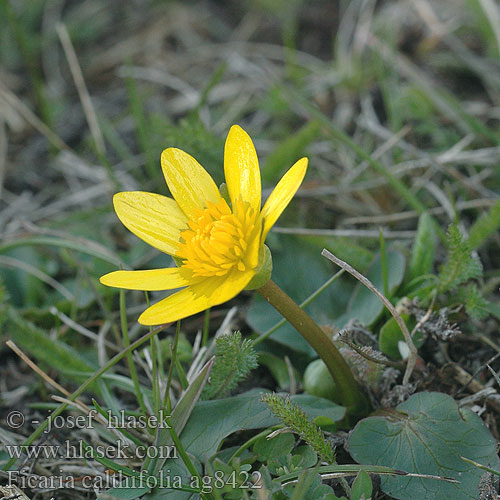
x,y
350,394
307,301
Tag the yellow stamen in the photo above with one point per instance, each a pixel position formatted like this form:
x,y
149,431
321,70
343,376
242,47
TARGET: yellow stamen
x,y
216,239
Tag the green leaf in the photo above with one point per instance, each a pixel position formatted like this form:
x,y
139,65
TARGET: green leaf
x,y
364,305
52,352
427,434
308,455
302,487
267,449
460,265
475,303
23,287
212,421
391,334
362,487
234,359
422,255
318,380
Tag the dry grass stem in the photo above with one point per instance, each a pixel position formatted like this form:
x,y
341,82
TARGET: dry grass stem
x,y
42,374
76,72
10,99
25,266
412,358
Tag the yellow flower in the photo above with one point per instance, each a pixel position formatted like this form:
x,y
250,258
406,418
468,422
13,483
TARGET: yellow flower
x,y
220,246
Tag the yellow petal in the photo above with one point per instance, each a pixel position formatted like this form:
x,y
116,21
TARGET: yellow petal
x,y
241,168
282,194
190,184
156,219
196,298
254,245
152,279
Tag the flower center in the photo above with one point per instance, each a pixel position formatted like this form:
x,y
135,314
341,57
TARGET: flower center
x,y
218,239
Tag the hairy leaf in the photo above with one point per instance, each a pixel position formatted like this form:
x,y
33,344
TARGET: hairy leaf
x,y
234,360
460,265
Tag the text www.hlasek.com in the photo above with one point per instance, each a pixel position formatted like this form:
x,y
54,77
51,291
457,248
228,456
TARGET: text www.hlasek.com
x,y
79,451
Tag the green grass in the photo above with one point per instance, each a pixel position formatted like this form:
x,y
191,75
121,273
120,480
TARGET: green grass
x,y
401,125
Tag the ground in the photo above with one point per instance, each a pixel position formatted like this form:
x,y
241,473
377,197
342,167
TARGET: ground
x,y
395,104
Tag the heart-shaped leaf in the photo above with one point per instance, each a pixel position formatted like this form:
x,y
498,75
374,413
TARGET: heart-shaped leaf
x,y
266,449
427,435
